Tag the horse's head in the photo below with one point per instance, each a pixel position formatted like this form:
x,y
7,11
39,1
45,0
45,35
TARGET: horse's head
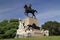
x,y
25,6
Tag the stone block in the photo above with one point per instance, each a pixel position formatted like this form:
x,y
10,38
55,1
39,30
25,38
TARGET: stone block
x,y
30,21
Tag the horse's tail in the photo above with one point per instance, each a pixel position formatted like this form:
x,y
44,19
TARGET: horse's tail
x,y
36,11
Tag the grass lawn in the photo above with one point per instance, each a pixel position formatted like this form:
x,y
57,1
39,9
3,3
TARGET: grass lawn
x,y
36,38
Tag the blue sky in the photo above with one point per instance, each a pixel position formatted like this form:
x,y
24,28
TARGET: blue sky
x,y
48,10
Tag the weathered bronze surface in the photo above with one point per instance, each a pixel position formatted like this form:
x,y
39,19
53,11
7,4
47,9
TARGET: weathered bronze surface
x,y
28,9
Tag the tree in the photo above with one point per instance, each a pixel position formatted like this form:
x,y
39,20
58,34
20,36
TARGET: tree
x,y
10,33
8,28
53,27
3,23
13,20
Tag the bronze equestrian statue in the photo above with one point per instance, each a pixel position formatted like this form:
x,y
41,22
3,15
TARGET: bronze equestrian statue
x,y
29,10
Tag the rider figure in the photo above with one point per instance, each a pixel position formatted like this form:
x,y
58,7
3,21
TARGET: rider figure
x,y
30,7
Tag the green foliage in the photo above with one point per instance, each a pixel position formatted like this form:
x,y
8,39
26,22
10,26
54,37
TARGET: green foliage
x,y
10,33
3,23
13,20
53,27
8,28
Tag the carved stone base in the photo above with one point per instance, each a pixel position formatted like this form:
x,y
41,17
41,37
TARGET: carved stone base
x,y
30,21
28,31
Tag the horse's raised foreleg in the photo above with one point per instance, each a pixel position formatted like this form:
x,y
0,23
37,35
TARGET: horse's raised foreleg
x,y
26,14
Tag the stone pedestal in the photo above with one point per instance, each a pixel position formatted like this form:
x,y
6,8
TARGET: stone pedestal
x,y
30,21
24,30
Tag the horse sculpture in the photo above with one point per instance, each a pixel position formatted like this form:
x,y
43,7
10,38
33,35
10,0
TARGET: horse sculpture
x,y
29,10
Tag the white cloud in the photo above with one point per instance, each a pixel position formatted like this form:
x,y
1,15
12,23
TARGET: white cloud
x,y
7,9
48,15
4,10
